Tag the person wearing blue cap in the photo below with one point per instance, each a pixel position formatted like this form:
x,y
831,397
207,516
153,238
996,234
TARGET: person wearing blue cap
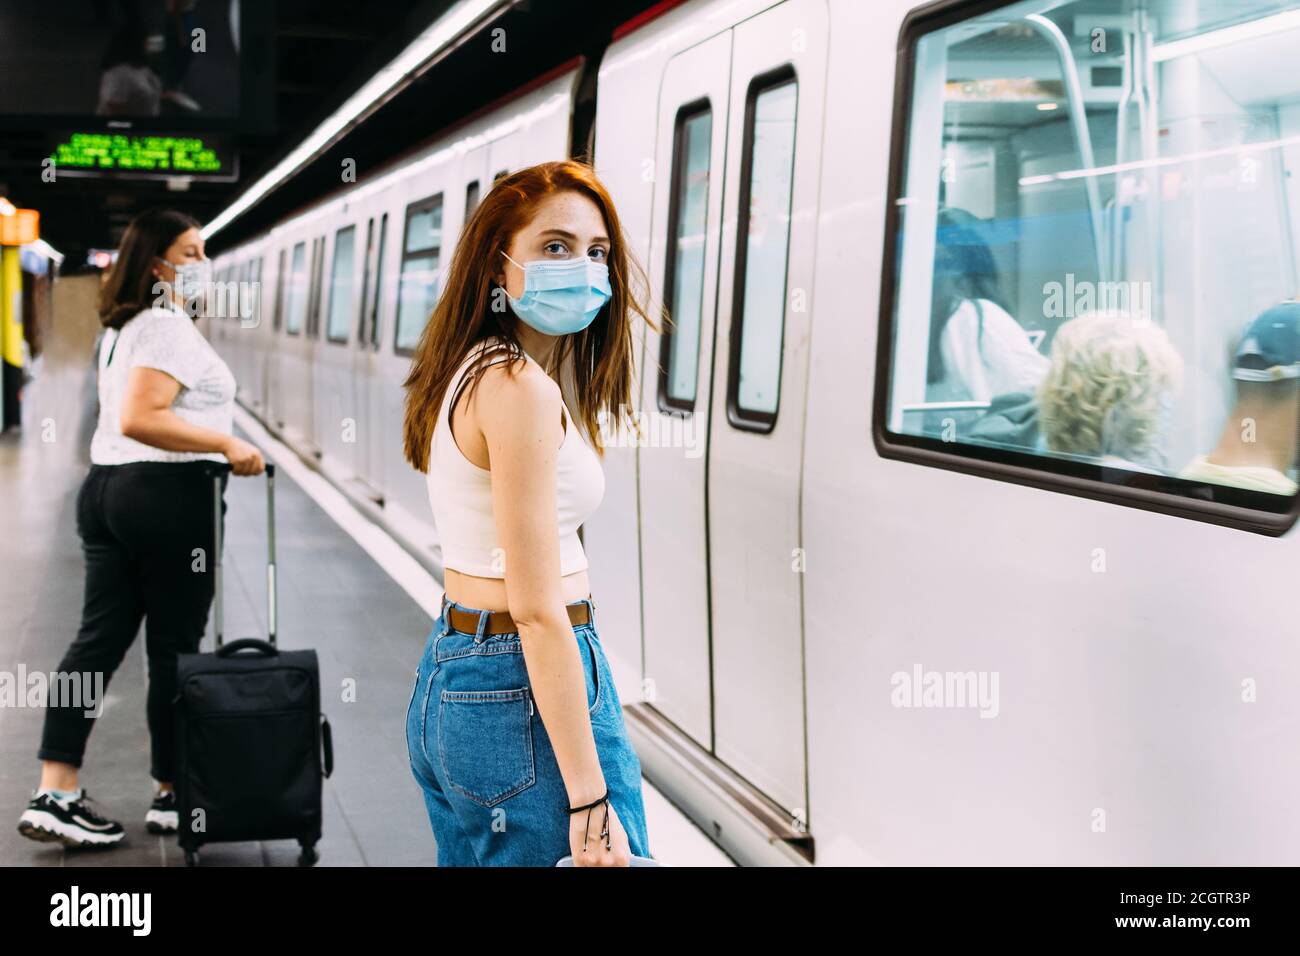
x,y
1258,444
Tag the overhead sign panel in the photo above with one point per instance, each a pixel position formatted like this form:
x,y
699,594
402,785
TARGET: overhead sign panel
x,y
144,155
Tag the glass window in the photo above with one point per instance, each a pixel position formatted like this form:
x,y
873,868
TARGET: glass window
x,y
317,280
340,288
763,237
255,292
471,199
297,305
1090,255
684,278
278,318
364,310
379,283
418,285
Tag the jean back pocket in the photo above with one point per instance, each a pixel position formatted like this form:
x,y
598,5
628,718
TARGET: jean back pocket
x,y
485,743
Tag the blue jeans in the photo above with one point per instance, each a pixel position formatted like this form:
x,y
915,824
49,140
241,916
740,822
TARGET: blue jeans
x,y
481,754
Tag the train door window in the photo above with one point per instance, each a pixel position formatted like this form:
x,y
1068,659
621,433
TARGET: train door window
x,y
277,318
254,307
684,268
418,284
379,283
762,240
340,288
1091,253
364,310
317,278
310,328
242,302
296,311
471,200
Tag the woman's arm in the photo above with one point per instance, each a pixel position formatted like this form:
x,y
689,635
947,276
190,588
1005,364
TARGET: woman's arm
x,y
519,416
147,417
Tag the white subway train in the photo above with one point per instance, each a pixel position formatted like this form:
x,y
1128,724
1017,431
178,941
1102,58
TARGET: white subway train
x,y
849,630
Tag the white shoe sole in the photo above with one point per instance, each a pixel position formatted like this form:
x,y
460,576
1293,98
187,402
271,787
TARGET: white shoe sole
x,y
44,827
161,821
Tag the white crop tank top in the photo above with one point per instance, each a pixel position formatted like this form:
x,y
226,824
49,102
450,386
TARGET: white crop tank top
x,y
460,493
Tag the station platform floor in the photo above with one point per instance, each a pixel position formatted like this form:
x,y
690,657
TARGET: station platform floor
x,y
344,590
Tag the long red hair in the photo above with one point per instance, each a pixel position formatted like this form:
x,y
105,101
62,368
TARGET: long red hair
x,y
600,357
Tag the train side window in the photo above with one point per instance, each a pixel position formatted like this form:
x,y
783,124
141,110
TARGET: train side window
x,y
296,310
762,242
1083,285
500,175
679,347
471,201
379,283
340,286
364,311
417,289
278,317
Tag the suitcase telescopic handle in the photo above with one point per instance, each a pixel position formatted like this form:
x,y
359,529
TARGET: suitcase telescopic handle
x,y
218,471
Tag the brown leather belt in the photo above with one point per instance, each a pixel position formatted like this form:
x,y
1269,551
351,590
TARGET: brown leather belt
x,y
500,622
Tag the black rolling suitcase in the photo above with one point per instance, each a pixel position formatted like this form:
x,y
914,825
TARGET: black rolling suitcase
x,y
252,742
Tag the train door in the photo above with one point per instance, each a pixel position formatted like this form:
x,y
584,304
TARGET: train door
x,y
295,373
306,385
760,383
337,417
722,555
692,147
366,464
276,355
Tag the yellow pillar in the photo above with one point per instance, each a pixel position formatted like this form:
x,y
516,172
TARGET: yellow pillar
x,y
11,333
17,227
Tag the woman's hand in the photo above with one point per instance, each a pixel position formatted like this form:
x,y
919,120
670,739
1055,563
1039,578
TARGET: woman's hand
x,y
244,458
619,854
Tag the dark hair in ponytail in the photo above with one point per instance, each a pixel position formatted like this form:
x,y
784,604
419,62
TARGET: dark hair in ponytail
x,y
129,288
965,270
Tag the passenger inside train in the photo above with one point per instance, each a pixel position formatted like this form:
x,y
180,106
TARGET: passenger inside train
x,y
977,348
1257,447
1107,395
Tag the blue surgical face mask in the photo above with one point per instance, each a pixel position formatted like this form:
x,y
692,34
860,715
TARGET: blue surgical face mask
x,y
561,296
192,278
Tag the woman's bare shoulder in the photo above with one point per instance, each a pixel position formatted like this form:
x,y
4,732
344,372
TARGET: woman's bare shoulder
x,y
522,396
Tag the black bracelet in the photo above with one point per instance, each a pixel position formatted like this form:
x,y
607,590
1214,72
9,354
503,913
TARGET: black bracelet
x,y
604,828
594,803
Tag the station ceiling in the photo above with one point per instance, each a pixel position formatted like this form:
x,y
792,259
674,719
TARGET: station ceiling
x,y
319,52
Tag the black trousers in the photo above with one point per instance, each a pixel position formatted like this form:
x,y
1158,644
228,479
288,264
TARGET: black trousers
x,y
147,532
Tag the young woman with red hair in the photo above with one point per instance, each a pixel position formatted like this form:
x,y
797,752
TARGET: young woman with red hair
x,y
514,718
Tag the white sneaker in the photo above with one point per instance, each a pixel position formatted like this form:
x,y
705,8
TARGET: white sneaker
x,y
162,817
71,822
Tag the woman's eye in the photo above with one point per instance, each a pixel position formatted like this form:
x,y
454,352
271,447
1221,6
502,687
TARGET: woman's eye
x,y
598,254
555,247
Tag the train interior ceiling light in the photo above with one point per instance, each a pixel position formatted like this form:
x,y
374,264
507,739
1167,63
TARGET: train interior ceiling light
x,y
1214,39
